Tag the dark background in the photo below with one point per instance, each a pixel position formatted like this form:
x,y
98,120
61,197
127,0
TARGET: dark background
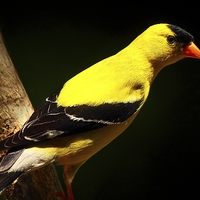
x,y
158,156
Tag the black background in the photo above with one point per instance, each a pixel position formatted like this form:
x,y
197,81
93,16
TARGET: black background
x,y
158,156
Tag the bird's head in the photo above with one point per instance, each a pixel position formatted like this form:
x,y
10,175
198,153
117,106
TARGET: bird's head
x,y
165,44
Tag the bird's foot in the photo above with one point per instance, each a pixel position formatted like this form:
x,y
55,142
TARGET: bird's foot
x,y
61,195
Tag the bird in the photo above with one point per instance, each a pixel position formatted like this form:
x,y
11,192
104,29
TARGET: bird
x,y
93,107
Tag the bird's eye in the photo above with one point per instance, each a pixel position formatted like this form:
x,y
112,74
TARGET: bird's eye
x,y
171,39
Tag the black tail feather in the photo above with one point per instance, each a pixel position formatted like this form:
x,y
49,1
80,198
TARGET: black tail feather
x,y
6,179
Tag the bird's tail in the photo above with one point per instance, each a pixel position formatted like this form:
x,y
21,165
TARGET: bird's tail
x,y
6,179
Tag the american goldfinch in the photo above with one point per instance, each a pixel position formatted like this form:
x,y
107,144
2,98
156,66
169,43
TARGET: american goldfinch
x,y
93,107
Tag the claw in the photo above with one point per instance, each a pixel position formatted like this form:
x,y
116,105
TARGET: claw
x,y
61,195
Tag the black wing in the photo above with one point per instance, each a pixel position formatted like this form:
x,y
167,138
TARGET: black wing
x,y
50,121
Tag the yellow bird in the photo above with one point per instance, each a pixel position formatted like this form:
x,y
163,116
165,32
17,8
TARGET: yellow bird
x,y
93,107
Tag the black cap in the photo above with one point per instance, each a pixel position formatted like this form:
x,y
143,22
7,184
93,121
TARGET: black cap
x,y
182,36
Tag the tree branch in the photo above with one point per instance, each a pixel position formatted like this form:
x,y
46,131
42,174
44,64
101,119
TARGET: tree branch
x,y
15,109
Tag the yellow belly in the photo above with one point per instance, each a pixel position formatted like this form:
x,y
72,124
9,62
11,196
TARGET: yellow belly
x,y
79,148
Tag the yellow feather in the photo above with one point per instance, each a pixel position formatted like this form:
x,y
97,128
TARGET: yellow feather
x,y
114,79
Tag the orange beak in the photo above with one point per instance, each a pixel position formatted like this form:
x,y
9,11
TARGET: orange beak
x,y
191,51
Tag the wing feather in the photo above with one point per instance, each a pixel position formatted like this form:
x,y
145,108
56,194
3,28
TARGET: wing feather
x,y
50,120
